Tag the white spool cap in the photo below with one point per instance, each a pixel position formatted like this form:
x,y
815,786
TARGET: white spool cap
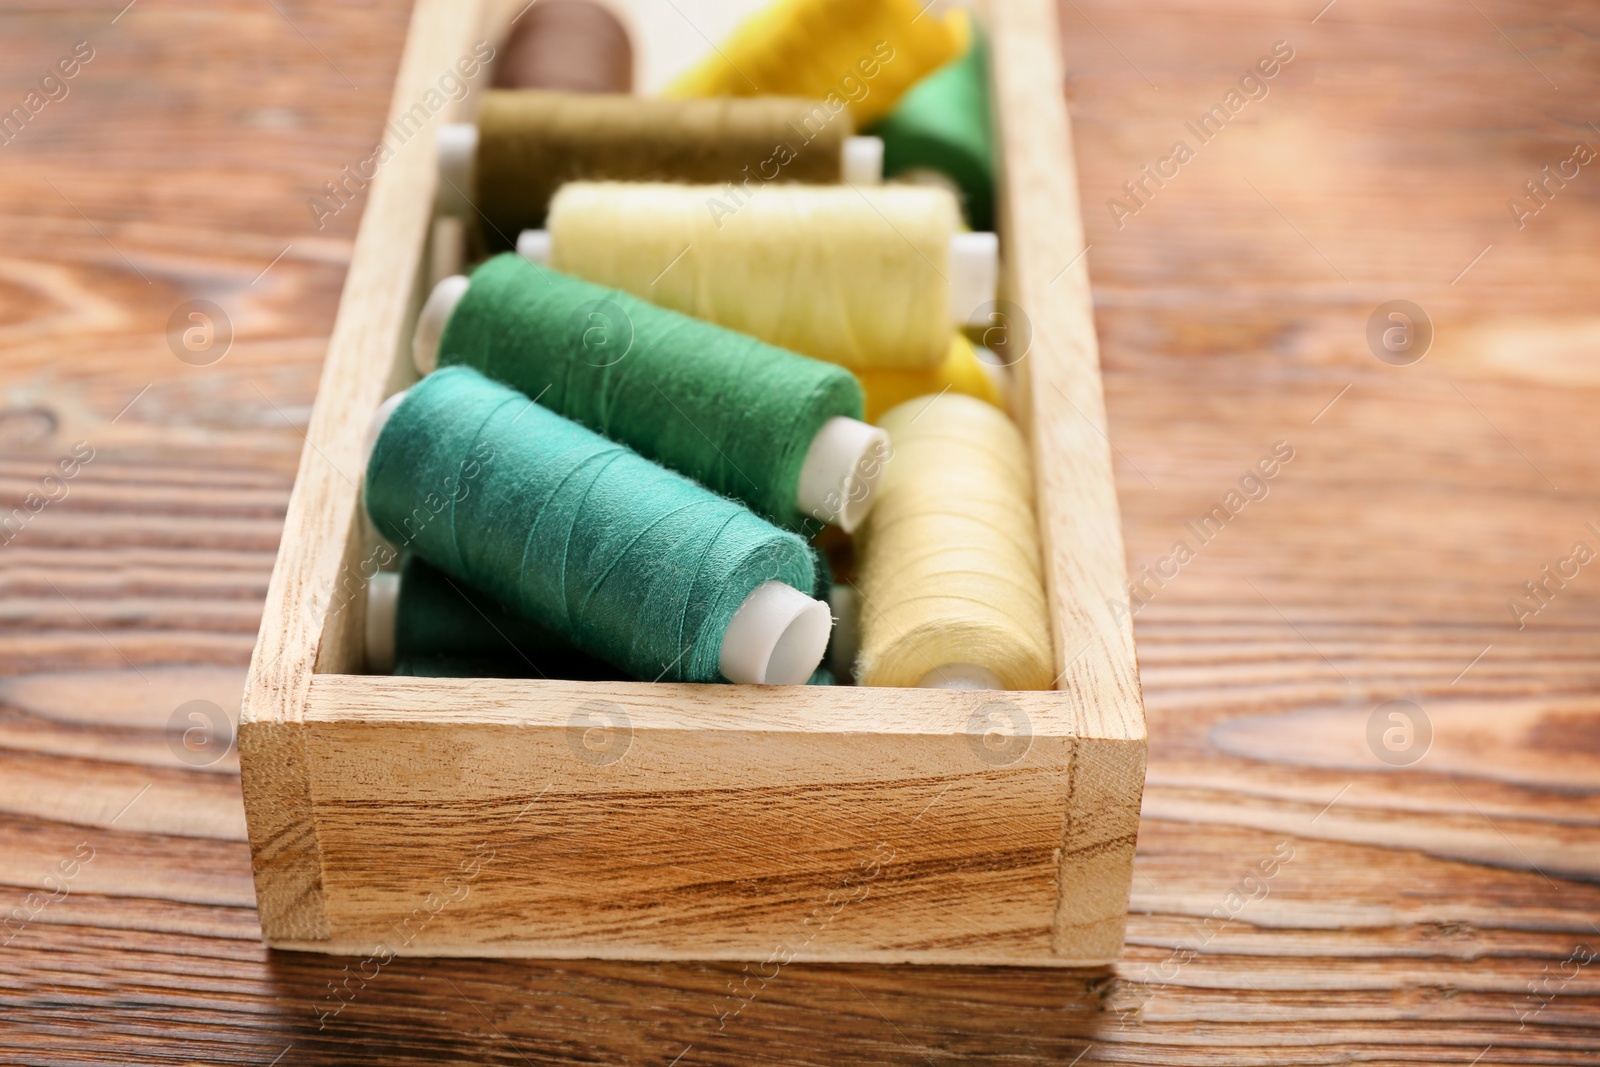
x,y
458,156
534,246
839,476
383,594
432,319
375,427
777,637
862,161
960,676
974,274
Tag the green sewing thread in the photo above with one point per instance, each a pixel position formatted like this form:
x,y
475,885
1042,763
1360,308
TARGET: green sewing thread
x,y
445,628
630,562
943,125
731,412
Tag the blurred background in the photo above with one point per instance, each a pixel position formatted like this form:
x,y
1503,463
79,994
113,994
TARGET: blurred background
x,y
1439,896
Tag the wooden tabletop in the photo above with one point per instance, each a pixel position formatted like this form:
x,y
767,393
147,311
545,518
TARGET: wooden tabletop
x,y
1323,876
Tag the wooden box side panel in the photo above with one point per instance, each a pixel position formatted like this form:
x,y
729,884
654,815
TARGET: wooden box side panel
x,y
538,819
304,594
1062,405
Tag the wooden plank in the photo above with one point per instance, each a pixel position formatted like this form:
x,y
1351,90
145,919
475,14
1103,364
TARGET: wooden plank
x,y
684,822
310,598
1047,289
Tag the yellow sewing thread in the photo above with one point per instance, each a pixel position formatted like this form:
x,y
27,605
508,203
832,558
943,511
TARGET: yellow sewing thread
x,y
961,372
853,276
863,54
949,564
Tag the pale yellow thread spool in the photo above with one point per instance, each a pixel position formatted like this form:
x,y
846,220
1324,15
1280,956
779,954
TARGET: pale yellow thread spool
x,y
861,54
859,277
952,593
961,372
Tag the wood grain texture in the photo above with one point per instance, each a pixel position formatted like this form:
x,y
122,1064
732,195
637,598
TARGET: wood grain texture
x,y
1412,924
1018,865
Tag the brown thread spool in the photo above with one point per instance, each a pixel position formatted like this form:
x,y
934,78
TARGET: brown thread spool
x,y
573,45
532,142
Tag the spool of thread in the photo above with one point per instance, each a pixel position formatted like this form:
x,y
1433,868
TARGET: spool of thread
x,y
632,563
526,144
860,54
574,45
423,623
866,278
776,430
942,125
961,372
952,594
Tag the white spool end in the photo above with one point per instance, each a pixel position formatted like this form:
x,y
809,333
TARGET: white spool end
x,y
839,477
777,637
861,163
960,676
375,427
383,595
534,246
974,274
458,156
432,319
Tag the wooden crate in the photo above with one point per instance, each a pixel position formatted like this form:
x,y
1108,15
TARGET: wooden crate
x,y
434,816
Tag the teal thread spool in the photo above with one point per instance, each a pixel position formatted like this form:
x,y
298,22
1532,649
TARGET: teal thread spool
x,y
943,125
630,562
748,420
423,623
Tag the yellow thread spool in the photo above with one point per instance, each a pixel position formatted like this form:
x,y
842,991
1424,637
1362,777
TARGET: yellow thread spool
x,y
950,574
961,372
863,54
858,277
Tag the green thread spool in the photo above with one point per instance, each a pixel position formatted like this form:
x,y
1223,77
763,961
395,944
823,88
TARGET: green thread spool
x,y
779,431
630,562
423,623
943,125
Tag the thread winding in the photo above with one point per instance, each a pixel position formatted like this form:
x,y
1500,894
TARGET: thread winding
x,y
860,54
444,627
949,567
961,372
943,125
858,277
632,563
731,412
573,45
530,143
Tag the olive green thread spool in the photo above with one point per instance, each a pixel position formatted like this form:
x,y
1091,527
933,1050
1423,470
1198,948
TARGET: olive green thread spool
x,y
502,170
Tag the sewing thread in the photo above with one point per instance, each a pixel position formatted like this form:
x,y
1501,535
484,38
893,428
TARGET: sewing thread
x,y
949,567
